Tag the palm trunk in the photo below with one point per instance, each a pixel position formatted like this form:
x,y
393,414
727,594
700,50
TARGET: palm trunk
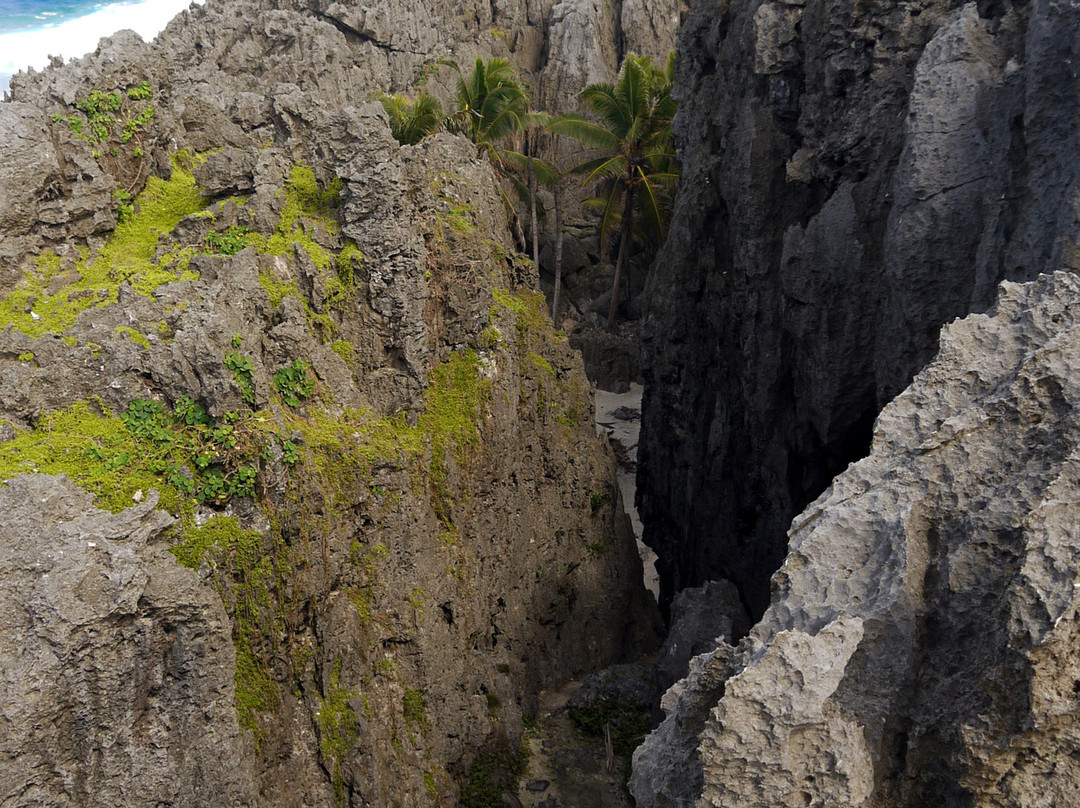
x,y
624,248
558,259
532,209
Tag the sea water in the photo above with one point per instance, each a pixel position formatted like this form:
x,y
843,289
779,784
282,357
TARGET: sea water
x,y
33,30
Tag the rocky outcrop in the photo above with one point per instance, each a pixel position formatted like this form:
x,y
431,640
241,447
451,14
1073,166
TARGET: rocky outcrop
x,y
852,179
377,456
118,665
921,647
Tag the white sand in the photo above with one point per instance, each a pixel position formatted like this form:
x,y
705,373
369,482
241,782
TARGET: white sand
x,y
626,432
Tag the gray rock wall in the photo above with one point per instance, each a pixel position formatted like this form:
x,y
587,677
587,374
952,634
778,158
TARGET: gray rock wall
x,y
852,179
397,593
118,665
921,648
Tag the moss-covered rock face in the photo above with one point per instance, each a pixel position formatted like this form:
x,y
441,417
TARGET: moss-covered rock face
x,y
377,452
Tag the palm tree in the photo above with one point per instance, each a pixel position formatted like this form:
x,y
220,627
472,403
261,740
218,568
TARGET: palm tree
x,y
491,106
412,119
632,131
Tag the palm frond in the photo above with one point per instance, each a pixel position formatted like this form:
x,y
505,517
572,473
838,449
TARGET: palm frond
x,y
586,132
602,100
613,167
412,119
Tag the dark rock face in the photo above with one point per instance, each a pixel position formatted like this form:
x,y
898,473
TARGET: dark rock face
x,y
921,647
851,181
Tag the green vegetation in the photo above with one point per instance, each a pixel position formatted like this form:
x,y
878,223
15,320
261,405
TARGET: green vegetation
x,y
243,369
135,336
491,774
412,119
431,786
129,255
294,382
228,242
344,349
113,124
308,209
412,707
637,164
627,724
338,730
104,117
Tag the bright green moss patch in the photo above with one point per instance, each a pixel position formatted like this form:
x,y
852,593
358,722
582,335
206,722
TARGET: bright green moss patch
x,y
134,336
277,290
306,207
529,307
344,349
128,255
358,440
256,691
338,731
222,534
97,451
306,211
541,364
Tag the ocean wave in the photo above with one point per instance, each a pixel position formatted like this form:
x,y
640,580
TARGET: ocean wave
x,y
77,36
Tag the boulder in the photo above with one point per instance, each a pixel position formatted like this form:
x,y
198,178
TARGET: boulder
x,y
117,662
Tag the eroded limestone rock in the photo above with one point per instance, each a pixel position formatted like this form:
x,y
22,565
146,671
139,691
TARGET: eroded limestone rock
x,y
117,683
852,178
412,570
921,647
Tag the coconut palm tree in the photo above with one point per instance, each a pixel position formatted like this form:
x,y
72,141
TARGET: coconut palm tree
x,y
492,108
490,104
631,128
412,119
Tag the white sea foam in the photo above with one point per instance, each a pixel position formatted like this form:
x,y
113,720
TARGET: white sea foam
x,y
79,36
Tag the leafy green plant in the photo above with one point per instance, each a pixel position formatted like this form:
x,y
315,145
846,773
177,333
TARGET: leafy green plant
x,y
293,383
189,412
113,123
243,369
146,419
227,242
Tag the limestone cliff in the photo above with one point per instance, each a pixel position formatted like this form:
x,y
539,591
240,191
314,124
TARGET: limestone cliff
x,y
391,522
921,648
853,178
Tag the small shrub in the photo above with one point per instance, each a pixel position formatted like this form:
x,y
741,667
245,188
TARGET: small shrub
x,y
228,242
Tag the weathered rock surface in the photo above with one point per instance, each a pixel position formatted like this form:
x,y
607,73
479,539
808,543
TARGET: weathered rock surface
x,y
434,535
118,664
852,179
921,647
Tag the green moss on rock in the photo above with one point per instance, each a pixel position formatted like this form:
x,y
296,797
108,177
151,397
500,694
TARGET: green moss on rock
x,y
129,255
